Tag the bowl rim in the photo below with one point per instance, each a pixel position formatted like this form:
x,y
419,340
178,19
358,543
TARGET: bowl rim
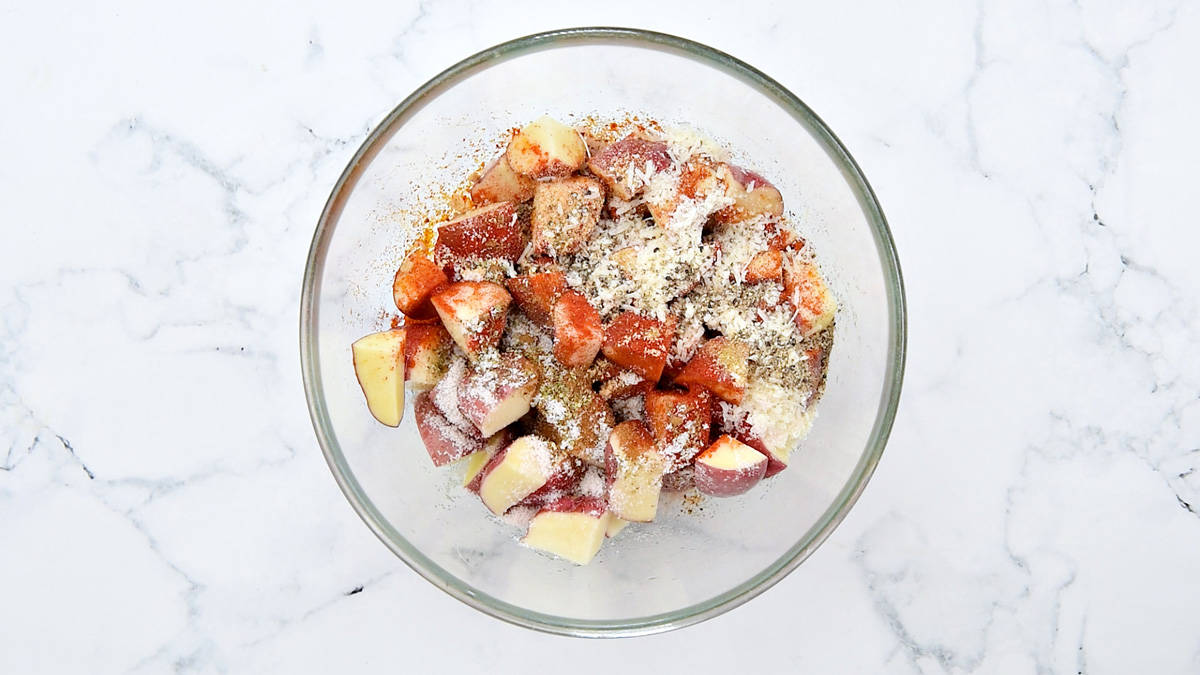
x,y
434,573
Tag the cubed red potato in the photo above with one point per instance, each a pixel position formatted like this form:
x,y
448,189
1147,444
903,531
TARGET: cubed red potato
x,y
575,418
615,525
516,472
805,290
627,164
572,528
753,196
444,441
426,355
497,391
578,331
565,213
699,178
565,480
781,237
478,460
489,232
729,467
638,343
536,294
415,281
499,183
680,422
379,366
765,266
634,467
817,359
721,366
546,148
731,420
777,460
474,313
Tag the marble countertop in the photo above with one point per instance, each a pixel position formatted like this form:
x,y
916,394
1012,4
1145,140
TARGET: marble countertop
x,y
163,502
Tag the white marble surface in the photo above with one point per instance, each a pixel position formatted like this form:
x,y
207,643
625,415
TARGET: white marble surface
x,y
163,503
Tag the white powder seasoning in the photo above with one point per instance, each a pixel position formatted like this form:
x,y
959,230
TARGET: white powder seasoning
x,y
445,392
776,414
632,408
592,484
520,516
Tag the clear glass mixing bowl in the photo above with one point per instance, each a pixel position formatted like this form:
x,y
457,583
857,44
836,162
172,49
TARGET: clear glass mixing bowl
x,y
685,567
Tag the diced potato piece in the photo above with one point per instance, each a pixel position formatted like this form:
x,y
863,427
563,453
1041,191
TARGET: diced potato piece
x,y
578,331
536,294
627,164
499,183
488,233
546,148
805,289
565,213
415,281
474,313
721,366
752,195
638,343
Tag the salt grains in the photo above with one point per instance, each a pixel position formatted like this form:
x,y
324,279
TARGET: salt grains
x,y
445,392
519,516
593,483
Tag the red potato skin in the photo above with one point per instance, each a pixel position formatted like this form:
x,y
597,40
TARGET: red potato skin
x,y
536,294
718,482
744,177
578,331
593,506
489,232
774,466
432,425
612,162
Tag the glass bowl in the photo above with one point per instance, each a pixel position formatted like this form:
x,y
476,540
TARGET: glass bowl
x,y
684,567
